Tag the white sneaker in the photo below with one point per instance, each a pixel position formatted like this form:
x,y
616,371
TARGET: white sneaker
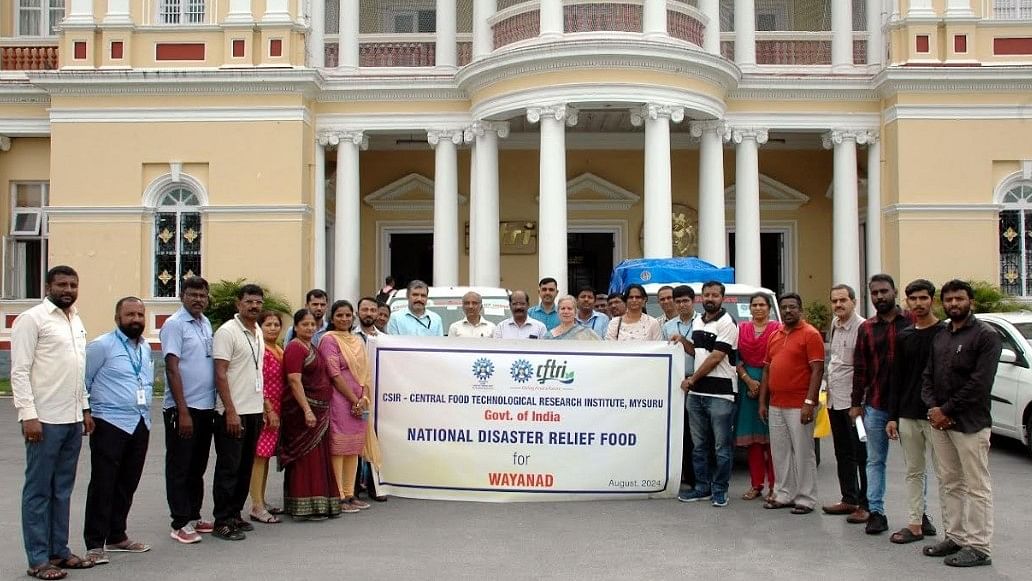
x,y
186,535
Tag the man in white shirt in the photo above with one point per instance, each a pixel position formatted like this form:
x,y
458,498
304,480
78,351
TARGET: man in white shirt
x,y
473,324
48,367
239,351
519,325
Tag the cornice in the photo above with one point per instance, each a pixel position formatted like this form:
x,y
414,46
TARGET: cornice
x,y
413,85
894,80
598,53
767,87
177,82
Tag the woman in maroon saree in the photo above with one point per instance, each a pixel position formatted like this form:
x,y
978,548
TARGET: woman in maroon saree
x,y
310,490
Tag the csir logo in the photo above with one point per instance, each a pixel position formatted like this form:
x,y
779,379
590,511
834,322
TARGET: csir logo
x,y
552,370
483,369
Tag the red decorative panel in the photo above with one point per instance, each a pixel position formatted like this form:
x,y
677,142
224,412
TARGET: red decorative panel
x,y
159,320
5,345
520,27
396,54
602,17
9,320
793,52
117,49
238,48
29,58
921,43
960,43
275,47
1008,46
860,52
330,55
465,53
167,51
79,49
684,27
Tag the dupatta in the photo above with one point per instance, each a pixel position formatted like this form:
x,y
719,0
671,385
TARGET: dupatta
x,y
352,349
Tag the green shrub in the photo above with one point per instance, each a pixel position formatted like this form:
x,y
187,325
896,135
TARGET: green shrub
x,y
818,314
988,299
222,306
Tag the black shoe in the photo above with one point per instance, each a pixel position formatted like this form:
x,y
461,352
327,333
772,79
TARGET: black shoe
x,y
941,549
227,532
876,524
927,528
968,557
242,525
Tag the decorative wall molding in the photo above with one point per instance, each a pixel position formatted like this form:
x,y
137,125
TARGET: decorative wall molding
x,y
804,121
25,127
412,193
899,209
775,196
590,192
388,122
955,112
178,114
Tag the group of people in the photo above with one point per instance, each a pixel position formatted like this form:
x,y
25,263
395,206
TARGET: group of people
x,y
755,383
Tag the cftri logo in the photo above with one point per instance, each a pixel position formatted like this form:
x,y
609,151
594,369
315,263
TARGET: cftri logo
x,y
552,370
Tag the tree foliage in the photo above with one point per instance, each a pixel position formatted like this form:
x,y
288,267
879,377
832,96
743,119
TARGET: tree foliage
x,y
222,305
819,315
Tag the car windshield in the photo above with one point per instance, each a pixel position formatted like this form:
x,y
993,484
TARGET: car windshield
x,y
450,309
736,305
1025,329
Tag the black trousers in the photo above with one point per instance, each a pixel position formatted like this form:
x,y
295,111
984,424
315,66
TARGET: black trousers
x,y
234,458
687,464
850,457
116,460
186,459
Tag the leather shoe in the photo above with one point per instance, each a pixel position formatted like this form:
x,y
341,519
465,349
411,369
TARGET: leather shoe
x,y
839,508
858,516
877,524
943,548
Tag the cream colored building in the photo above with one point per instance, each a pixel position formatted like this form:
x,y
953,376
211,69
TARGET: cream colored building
x,y
328,143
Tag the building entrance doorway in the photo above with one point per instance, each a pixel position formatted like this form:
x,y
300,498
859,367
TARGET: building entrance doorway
x,y
772,259
589,260
411,258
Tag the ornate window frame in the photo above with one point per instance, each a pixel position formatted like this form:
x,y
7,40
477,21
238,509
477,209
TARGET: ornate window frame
x,y
1014,196
179,223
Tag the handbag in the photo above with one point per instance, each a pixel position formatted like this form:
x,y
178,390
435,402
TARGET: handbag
x,y
822,424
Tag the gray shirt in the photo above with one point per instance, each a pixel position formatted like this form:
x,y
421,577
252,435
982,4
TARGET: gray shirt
x,y
839,373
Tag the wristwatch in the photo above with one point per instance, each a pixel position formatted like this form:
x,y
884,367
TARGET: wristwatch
x,y
809,402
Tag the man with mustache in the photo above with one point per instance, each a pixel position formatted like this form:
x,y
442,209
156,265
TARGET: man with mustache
x,y
519,325
383,316
189,409
617,306
120,381
316,301
416,320
957,386
48,362
239,352
473,324
602,303
545,310
873,358
368,313
586,313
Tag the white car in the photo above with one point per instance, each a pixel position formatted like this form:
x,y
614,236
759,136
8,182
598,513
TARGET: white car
x,y
1012,390
447,302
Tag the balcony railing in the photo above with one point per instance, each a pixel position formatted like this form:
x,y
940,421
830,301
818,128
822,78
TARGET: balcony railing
x,y
400,50
795,48
1008,9
602,16
17,55
685,22
517,23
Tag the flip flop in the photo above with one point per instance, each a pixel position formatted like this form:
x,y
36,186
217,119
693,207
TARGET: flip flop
x,y
904,536
47,571
774,505
799,509
265,517
274,509
128,546
72,562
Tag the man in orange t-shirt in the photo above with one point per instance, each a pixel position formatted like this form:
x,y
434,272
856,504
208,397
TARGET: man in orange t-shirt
x,y
788,397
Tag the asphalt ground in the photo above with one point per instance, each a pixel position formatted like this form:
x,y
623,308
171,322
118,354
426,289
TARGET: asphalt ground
x,y
643,539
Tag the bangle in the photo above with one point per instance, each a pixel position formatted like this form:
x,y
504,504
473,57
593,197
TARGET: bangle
x,y
809,402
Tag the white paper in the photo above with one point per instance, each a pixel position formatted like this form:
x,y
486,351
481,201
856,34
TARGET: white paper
x,y
860,431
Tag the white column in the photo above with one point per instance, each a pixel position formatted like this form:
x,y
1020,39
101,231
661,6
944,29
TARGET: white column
x,y
745,33
658,229
473,197
873,230
552,224
317,36
921,9
319,212
654,19
959,9
446,50
239,11
347,45
485,223
875,39
276,11
712,221
117,12
446,205
79,12
747,204
845,212
842,35
551,18
711,39
347,219
483,36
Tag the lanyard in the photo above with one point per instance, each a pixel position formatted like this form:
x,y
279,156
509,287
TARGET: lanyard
x,y
137,363
420,321
206,342
690,326
254,354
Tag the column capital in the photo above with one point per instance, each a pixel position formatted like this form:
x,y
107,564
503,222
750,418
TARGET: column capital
x,y
837,136
656,111
557,111
718,126
479,128
435,136
757,134
333,138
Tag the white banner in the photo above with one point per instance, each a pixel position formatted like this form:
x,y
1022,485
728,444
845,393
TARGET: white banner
x,y
491,420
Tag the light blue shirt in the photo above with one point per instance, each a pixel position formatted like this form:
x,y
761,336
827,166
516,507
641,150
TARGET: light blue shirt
x,y
549,318
676,326
597,322
116,371
190,340
406,323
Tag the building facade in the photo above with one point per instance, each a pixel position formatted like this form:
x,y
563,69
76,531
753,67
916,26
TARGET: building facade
x,y
328,143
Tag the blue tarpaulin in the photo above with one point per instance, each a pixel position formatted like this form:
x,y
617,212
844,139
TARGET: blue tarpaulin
x,y
666,271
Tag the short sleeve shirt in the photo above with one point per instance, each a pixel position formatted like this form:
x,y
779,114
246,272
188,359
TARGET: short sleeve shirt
x,y
190,340
245,352
789,355
719,334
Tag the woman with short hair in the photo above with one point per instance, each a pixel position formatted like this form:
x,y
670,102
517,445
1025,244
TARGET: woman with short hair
x,y
568,328
635,324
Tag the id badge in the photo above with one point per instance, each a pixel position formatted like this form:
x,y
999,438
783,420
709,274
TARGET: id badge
x,y
141,397
258,383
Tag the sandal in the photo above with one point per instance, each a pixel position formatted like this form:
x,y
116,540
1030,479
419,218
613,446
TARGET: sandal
x,y
355,502
775,505
264,516
46,571
904,536
73,562
800,509
128,546
274,509
752,494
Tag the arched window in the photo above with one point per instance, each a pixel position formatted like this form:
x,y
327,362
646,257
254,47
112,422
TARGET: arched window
x,y
177,240
1016,239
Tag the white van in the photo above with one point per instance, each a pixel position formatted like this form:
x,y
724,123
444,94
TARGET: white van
x,y
446,301
736,299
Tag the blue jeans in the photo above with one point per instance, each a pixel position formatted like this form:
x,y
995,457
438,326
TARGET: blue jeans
x,y
711,422
877,452
46,498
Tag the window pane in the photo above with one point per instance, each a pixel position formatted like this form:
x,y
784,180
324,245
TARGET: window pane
x,y
30,16
170,11
195,12
26,223
404,23
1010,252
427,21
29,195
